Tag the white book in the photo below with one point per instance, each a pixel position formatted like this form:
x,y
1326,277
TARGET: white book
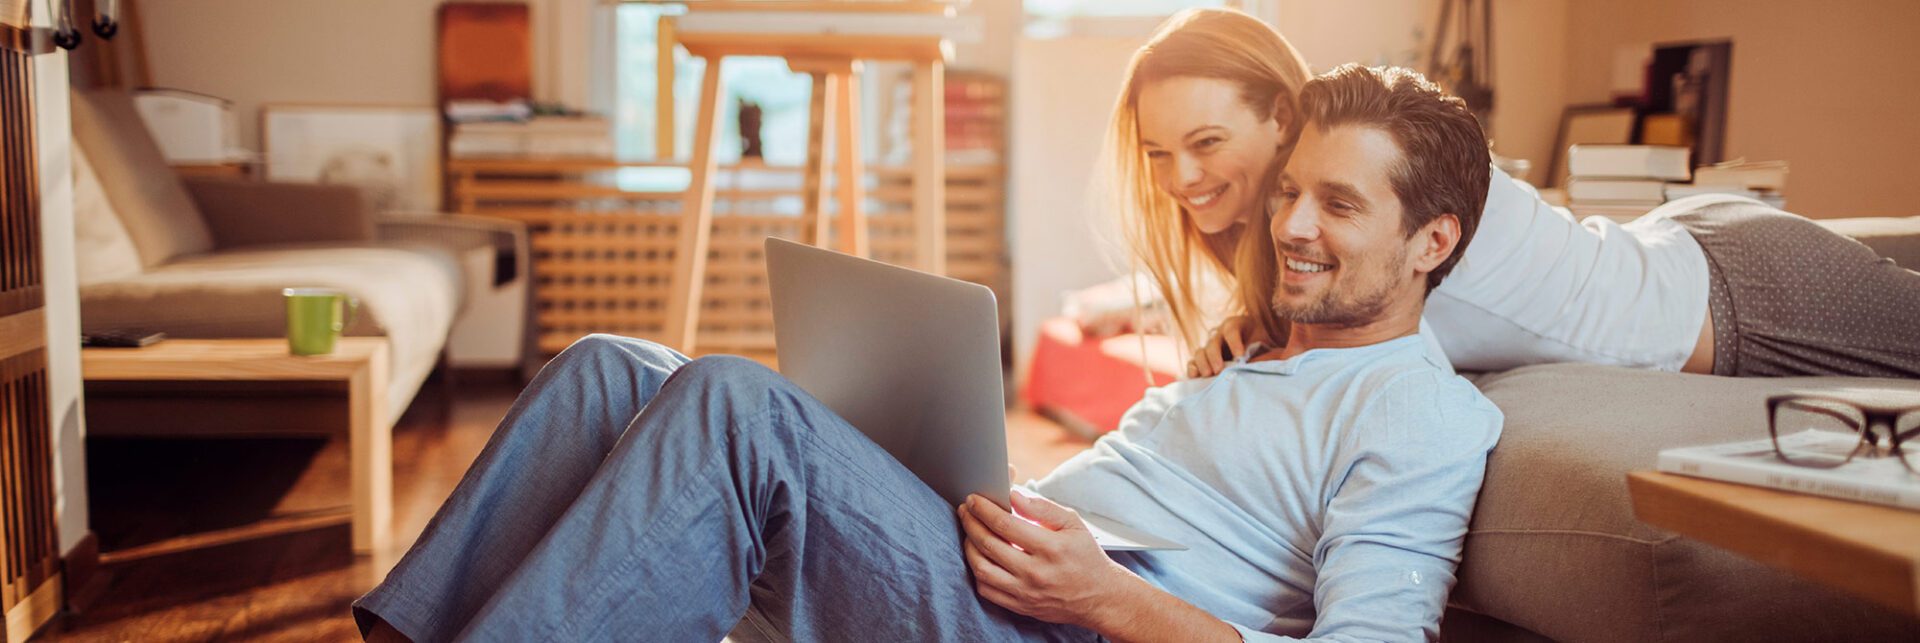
x,y
1629,162
1880,480
1617,190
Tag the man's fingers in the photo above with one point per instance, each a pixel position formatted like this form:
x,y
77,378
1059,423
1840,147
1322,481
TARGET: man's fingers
x,y
985,570
989,543
1004,524
1046,512
999,597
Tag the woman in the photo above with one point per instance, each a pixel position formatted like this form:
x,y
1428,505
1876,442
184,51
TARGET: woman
x,y
1711,284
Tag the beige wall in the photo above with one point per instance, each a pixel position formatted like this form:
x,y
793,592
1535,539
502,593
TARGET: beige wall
x,y
1062,238
256,52
1830,87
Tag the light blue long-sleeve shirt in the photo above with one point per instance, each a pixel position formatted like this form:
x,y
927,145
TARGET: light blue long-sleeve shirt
x,y
1324,496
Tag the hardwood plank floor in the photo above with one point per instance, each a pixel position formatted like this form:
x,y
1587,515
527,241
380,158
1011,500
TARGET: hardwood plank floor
x,y
298,587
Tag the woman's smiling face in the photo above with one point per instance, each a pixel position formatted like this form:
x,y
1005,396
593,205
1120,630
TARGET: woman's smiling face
x,y
1208,149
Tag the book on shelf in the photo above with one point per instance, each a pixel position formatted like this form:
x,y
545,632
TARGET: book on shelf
x,y
1881,480
1629,162
1765,176
1590,190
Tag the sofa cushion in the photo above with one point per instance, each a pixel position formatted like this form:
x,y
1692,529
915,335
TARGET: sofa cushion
x,y
408,292
152,204
102,249
1554,547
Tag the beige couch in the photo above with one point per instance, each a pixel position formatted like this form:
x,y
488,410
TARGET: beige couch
x,y
1554,552
207,258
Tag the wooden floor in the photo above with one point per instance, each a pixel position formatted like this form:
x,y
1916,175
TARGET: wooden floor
x,y
298,587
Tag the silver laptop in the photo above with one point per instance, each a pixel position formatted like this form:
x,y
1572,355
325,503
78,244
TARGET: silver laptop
x,y
913,361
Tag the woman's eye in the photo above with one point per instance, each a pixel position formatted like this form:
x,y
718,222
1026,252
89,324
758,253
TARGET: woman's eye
x,y
1157,154
1289,194
1208,142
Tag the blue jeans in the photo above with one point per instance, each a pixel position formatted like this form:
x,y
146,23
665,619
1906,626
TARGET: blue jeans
x,y
633,495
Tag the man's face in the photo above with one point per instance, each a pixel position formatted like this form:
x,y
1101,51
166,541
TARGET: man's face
x,y
1343,253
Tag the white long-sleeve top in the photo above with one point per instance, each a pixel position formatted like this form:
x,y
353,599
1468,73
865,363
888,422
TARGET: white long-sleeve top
x,y
1536,287
1324,496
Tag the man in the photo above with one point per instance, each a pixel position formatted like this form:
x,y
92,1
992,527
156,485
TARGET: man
x,y
1324,488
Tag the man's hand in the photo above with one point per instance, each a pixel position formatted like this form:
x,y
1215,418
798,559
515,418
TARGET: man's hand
x,y
1042,563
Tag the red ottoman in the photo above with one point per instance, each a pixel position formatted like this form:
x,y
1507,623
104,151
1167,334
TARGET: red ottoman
x,y
1087,383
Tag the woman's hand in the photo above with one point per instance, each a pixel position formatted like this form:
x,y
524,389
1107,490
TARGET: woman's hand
x,y
1042,562
1207,361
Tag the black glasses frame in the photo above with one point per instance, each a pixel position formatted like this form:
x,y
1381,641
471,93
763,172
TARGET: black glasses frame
x,y
1871,422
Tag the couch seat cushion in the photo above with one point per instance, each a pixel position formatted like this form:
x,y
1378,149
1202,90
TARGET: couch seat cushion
x,y
1554,547
409,293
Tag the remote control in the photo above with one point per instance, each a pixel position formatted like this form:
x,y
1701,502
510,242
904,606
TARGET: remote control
x,y
121,338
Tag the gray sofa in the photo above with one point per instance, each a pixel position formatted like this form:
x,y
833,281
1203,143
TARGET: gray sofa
x,y
208,258
1554,552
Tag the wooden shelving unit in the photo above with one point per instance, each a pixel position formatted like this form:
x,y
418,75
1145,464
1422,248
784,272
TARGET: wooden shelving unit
x,y
603,257
30,576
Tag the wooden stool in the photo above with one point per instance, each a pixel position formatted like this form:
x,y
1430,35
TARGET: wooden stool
x,y
833,61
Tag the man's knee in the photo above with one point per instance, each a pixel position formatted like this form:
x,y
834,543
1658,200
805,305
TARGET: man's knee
x,y
604,353
717,372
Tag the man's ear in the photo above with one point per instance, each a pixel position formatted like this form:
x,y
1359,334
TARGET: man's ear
x,y
1436,240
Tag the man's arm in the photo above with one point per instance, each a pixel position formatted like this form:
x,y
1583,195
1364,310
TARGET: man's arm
x,y
1055,571
1397,517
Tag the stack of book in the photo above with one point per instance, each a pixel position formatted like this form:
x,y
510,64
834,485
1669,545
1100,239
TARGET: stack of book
x,y
1622,182
537,137
1763,180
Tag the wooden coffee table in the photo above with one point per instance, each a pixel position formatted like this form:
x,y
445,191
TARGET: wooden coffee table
x,y
1868,550
358,363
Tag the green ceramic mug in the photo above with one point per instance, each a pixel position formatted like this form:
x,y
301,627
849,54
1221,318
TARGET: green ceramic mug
x,y
315,317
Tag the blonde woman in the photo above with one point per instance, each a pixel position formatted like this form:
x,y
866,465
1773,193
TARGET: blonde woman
x,y
1203,121
1712,284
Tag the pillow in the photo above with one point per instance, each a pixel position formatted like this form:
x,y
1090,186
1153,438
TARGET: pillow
x,y
103,251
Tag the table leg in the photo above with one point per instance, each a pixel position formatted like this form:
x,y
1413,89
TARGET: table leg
x,y
696,222
852,188
821,120
929,167
370,438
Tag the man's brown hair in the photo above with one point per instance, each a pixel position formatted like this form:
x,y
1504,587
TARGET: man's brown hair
x,y
1444,163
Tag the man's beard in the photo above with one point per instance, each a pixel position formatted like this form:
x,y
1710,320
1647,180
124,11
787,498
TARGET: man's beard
x,y
1364,301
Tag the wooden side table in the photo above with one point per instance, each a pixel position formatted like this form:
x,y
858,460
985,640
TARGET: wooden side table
x,y
1868,550
358,363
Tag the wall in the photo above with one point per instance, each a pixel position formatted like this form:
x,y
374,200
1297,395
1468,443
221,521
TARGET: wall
x,y
254,53
1830,87
1062,92
53,129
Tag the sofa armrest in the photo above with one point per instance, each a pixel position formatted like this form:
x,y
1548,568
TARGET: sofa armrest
x,y
1897,238
246,213
461,232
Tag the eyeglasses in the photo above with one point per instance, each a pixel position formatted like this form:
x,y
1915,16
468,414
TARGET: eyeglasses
x,y
1876,422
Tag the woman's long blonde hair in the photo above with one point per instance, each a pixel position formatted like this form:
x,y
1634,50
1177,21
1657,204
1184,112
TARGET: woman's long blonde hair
x,y
1204,43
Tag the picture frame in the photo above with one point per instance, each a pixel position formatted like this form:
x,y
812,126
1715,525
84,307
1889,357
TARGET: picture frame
x,y
391,152
1588,125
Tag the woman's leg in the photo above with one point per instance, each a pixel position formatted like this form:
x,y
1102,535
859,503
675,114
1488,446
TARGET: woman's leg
x,y
1790,297
534,465
736,489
